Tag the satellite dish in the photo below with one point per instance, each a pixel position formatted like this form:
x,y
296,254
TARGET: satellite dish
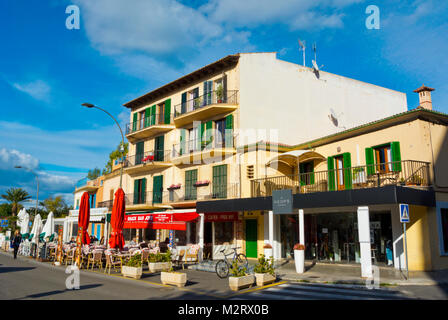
x,y
334,118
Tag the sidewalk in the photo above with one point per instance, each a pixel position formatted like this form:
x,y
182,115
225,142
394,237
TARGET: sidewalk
x,y
351,274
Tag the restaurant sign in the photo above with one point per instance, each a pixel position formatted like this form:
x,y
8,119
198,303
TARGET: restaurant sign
x,y
221,217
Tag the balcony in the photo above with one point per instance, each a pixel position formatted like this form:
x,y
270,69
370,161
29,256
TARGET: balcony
x,y
149,126
180,198
205,106
148,161
86,185
195,152
408,173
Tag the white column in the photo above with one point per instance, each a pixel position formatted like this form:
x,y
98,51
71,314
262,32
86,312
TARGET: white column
x,y
301,227
188,232
364,241
201,235
271,231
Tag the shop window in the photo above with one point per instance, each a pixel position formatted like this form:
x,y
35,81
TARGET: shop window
x,y
444,216
192,232
181,237
223,233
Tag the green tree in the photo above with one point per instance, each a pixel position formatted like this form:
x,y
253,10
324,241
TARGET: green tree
x,y
5,209
55,204
93,174
15,196
116,154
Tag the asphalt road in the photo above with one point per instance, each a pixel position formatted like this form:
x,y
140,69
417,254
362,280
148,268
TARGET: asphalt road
x,y
26,279
30,280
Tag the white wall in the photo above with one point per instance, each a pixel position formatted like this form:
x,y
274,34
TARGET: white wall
x,y
276,94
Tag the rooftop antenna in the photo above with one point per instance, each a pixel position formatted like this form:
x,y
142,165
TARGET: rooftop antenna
x,y
302,48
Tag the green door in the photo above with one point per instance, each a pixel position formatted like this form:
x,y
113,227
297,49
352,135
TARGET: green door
x,y
157,190
251,238
159,146
139,153
191,177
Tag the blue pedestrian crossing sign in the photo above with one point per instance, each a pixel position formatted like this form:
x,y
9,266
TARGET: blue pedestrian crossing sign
x,y
404,213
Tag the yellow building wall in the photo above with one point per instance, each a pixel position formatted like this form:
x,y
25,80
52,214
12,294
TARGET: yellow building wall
x,y
418,239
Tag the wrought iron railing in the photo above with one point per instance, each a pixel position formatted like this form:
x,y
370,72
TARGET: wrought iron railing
x,y
106,204
146,122
210,98
148,157
405,173
192,146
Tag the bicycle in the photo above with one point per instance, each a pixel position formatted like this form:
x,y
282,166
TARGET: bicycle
x,y
223,266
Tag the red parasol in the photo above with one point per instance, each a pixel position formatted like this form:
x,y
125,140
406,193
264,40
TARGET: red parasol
x,y
84,217
117,220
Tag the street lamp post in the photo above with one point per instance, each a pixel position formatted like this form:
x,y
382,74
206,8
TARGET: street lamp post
x,y
89,105
37,203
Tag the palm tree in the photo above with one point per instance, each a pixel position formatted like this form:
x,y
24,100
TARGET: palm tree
x,y
15,196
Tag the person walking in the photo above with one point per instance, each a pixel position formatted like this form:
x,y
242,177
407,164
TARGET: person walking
x,y
16,242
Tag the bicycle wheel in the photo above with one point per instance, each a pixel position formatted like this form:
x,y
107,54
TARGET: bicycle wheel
x,y
222,269
242,261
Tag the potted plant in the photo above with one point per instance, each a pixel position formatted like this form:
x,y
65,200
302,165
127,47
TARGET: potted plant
x,y
268,250
239,279
264,271
174,186
219,93
197,103
299,257
133,268
166,261
155,262
175,278
202,183
402,182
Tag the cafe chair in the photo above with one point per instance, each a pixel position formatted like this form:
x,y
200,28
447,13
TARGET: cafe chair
x,y
112,261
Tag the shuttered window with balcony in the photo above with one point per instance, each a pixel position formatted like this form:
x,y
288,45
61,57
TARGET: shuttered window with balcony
x,y
159,146
339,172
139,153
383,158
157,190
139,191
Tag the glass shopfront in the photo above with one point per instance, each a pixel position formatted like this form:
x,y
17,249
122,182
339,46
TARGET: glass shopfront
x,y
333,237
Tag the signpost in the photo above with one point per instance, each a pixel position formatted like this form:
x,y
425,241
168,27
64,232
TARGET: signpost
x,y
404,218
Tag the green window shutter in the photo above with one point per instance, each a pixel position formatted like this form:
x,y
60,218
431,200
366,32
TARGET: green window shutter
x,y
159,148
147,117
331,174
347,170
219,189
208,132
302,176
183,133
134,123
183,107
312,175
202,135
191,178
136,182
370,161
139,153
143,191
229,131
167,111
396,155
153,115
157,190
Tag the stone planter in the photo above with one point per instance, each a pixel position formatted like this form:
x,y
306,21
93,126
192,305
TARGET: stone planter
x,y
174,278
238,283
264,278
299,258
268,253
132,272
159,266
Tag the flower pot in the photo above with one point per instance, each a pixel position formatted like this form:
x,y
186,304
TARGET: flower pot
x,y
268,253
132,272
299,258
175,278
166,266
264,278
238,283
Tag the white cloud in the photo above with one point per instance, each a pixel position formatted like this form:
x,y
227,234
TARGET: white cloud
x,y
37,89
11,158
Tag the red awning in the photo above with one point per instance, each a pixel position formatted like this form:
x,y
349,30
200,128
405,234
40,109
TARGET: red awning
x,y
168,221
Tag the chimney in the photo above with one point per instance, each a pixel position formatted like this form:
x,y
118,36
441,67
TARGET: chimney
x,y
424,96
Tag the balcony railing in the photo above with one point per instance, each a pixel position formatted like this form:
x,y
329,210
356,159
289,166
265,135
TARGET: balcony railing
x,y
86,182
148,157
106,204
146,122
406,173
192,146
211,98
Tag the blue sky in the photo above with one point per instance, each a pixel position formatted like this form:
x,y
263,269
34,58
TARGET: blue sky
x,y
126,48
